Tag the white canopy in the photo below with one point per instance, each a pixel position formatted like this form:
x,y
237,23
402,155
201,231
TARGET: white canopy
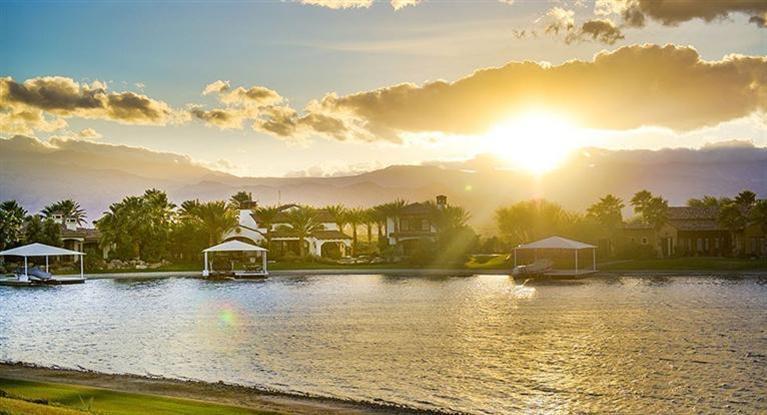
x,y
233,246
555,242
38,249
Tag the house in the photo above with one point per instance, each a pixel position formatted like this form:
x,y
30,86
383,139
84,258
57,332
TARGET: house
x,y
696,231
76,238
329,241
413,223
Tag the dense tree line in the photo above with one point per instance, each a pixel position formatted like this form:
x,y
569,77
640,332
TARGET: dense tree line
x,y
534,219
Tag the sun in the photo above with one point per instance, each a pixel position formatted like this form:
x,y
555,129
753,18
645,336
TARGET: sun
x,y
535,141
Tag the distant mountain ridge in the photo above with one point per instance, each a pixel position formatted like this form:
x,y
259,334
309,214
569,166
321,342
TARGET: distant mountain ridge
x,y
96,175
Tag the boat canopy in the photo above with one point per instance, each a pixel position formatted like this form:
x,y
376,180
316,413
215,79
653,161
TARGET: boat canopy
x,y
235,246
556,242
38,249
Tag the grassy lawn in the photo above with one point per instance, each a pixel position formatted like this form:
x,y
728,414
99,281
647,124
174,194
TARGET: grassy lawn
x,y
691,263
489,262
100,401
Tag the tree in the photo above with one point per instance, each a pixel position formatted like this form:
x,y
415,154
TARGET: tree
x,y
11,223
533,219
242,200
607,211
338,213
746,198
216,218
370,219
44,231
138,226
355,217
68,209
265,217
654,209
640,200
708,202
656,212
449,217
758,214
392,210
732,217
304,221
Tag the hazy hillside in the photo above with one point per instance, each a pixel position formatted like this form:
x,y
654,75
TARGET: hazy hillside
x,y
97,174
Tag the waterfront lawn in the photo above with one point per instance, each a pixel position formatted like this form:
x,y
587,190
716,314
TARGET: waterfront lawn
x,y
687,264
101,401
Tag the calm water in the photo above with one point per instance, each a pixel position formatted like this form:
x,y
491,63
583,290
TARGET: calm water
x,y
477,345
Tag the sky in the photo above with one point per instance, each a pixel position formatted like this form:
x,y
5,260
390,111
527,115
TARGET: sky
x,y
324,87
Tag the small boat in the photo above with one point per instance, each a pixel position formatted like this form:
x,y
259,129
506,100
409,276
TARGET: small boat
x,y
537,268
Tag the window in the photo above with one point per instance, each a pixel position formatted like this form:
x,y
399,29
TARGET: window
x,y
644,241
424,224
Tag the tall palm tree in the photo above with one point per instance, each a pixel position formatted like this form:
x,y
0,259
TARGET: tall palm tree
x,y
355,217
746,198
732,218
242,200
11,223
264,217
217,217
304,221
338,213
371,218
68,209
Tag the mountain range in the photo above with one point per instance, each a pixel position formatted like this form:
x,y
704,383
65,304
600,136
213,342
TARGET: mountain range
x,y
37,173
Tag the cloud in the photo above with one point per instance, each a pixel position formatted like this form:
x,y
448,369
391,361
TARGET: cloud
x,y
398,4
264,107
39,104
560,20
635,13
339,4
89,133
601,30
641,85
216,87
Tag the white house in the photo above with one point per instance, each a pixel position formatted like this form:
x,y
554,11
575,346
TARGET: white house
x,y
327,242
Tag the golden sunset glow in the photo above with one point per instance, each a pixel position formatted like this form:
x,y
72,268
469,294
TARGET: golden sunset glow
x,y
535,141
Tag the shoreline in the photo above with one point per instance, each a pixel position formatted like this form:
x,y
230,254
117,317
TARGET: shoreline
x,y
216,393
426,272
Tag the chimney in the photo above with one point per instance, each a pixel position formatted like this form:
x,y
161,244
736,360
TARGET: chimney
x,y
441,201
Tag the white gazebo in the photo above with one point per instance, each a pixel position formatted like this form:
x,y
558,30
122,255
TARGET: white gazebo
x,y
236,246
560,243
40,250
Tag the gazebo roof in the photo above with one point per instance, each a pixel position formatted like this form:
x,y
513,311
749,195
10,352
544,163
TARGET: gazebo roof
x,y
38,249
555,242
234,246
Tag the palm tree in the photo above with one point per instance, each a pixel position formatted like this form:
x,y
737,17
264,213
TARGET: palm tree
x,y
607,211
217,218
355,217
304,222
11,223
68,209
641,200
371,218
242,200
338,213
265,217
746,198
708,201
731,216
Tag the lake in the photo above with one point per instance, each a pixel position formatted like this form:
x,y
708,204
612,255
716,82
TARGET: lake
x,y
478,344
